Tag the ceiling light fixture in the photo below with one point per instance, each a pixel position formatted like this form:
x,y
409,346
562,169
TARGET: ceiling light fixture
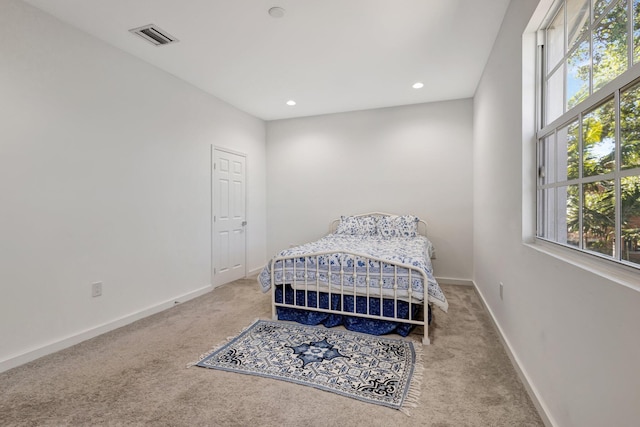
x,y
276,12
418,85
291,103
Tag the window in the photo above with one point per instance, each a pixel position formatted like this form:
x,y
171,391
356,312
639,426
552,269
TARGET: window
x,y
588,141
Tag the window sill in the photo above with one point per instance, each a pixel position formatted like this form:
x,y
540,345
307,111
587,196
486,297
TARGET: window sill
x,y
618,273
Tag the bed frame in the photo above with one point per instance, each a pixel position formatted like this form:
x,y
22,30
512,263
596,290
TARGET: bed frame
x,y
311,286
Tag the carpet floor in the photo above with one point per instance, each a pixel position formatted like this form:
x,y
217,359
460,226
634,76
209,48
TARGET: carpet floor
x,y
137,375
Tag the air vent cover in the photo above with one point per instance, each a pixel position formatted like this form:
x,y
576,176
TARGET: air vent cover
x,y
154,35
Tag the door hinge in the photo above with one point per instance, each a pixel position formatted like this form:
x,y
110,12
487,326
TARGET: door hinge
x,y
214,166
215,271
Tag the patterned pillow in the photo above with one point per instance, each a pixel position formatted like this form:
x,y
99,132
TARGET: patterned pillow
x,y
365,225
347,225
368,225
386,226
398,226
407,226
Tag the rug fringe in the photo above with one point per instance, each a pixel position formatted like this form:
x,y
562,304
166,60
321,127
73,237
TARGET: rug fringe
x,y
217,347
415,388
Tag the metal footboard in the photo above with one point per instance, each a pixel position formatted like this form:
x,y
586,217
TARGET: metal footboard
x,y
394,283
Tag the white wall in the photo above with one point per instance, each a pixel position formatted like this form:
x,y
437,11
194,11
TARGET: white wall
x,y
104,176
413,159
574,333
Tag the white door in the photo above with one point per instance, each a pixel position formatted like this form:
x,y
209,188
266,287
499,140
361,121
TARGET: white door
x,y
229,216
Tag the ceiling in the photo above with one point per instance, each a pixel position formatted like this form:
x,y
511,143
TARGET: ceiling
x,y
328,55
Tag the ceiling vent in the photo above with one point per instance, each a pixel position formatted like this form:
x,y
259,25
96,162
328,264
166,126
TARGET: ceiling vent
x,y
154,35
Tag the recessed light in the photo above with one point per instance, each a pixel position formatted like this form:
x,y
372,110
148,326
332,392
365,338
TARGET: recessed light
x,y
418,85
291,103
276,12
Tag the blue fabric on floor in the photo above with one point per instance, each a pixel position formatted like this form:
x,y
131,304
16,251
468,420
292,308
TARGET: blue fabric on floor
x,y
357,324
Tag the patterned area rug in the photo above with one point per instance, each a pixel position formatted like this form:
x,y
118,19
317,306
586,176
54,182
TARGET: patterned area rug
x,y
373,369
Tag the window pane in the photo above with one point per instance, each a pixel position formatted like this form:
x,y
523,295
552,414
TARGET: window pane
x,y
598,139
598,216
577,19
568,154
598,8
568,215
546,160
588,194
630,224
630,128
636,31
555,40
547,213
578,74
554,96
610,46
540,214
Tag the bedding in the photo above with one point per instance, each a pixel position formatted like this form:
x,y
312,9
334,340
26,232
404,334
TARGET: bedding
x,y
321,262
371,274
359,305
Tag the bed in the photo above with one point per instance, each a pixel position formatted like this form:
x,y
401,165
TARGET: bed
x,y
372,273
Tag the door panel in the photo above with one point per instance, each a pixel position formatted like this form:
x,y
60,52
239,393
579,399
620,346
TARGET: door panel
x,y
229,210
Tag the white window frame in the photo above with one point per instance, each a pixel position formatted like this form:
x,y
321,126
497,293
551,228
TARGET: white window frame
x,y
603,263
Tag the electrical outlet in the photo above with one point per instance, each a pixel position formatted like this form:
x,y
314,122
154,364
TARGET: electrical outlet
x,y
96,289
501,289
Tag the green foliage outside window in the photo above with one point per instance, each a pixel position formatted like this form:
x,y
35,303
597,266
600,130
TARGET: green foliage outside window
x,y
589,176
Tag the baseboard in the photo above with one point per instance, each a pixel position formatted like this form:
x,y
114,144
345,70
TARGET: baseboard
x,y
30,355
451,281
522,374
254,272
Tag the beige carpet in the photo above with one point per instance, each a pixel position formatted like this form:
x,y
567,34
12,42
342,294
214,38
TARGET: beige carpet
x,y
136,375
